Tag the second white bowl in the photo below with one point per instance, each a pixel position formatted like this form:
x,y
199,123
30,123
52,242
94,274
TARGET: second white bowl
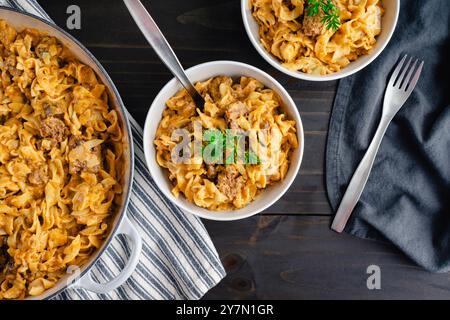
x,y
203,72
389,23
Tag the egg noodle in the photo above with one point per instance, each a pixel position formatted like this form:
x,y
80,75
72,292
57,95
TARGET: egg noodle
x,y
61,149
246,108
302,43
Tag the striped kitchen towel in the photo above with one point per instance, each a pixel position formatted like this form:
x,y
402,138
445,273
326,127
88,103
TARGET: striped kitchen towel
x,y
178,259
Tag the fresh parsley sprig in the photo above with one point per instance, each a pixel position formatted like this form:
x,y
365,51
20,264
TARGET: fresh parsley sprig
x,y
219,142
330,18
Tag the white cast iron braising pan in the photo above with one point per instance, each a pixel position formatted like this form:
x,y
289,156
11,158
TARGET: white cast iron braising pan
x,y
119,224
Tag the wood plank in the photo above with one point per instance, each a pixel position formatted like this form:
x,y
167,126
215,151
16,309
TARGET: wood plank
x,y
298,257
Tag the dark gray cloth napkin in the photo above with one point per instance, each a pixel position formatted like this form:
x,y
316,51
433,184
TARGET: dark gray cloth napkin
x,y
407,198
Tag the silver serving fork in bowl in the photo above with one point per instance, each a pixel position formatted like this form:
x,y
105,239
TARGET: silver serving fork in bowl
x,y
401,85
162,48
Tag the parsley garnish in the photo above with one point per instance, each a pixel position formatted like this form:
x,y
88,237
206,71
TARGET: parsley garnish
x,y
220,142
331,18
251,158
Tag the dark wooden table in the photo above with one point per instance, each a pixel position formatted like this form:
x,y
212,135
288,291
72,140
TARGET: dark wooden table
x,y
289,251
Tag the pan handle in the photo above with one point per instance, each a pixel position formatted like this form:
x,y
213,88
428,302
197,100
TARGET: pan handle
x,y
126,228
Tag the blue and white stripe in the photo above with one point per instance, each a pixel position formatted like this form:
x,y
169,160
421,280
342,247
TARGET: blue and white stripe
x,y
178,258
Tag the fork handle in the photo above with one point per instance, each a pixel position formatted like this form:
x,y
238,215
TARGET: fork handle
x,y
359,179
159,43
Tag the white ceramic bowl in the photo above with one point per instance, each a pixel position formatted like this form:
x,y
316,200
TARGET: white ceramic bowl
x,y
200,73
389,23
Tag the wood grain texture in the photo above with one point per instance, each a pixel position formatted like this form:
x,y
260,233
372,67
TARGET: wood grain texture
x,y
288,253
298,257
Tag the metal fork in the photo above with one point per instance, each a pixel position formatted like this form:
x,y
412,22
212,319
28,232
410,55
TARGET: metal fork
x,y
401,85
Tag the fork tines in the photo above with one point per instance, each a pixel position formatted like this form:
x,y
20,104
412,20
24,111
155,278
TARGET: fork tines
x,y
407,79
